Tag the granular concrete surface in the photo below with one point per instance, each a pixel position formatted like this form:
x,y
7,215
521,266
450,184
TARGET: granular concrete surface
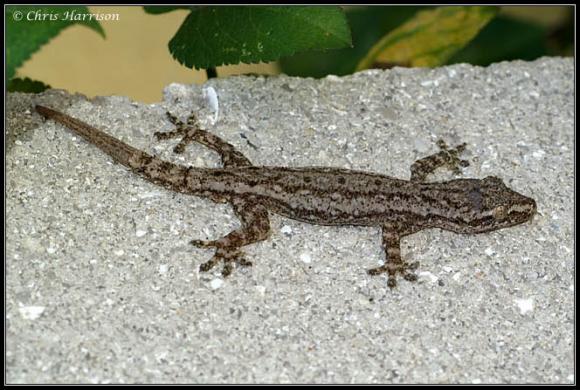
x,y
103,286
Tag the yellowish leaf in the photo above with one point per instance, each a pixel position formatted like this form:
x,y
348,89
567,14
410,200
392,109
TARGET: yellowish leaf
x,y
430,38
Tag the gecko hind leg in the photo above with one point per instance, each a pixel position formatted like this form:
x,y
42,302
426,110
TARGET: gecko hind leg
x,y
255,227
191,132
394,264
422,168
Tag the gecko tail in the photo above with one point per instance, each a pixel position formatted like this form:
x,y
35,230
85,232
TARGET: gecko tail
x,y
117,149
46,112
160,172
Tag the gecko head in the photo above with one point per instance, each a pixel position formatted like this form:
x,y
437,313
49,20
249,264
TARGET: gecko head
x,y
491,205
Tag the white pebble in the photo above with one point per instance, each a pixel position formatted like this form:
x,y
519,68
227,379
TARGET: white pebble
x,y
525,305
31,312
428,275
306,258
261,290
286,229
216,283
538,154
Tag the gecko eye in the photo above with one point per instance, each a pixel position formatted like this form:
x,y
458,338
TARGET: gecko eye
x,y
500,212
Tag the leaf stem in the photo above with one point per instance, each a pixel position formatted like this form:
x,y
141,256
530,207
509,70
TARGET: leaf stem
x,y
211,73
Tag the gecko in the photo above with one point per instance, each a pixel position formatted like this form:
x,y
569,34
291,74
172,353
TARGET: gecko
x,y
319,195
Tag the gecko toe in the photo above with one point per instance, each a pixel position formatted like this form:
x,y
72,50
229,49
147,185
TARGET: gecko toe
x,y
208,264
441,144
411,277
228,263
192,120
202,243
412,266
173,119
244,263
377,270
227,269
406,269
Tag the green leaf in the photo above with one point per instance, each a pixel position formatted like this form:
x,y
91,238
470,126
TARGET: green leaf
x,y
368,25
26,85
30,27
430,38
157,9
504,39
213,36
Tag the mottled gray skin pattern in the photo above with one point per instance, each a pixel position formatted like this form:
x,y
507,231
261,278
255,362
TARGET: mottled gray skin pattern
x,y
317,195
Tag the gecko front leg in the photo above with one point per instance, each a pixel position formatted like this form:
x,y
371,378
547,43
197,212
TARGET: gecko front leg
x,y
394,264
449,158
255,227
191,132
394,231
254,217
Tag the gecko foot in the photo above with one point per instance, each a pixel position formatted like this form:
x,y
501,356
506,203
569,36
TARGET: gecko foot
x,y
184,130
451,156
446,157
393,269
228,256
